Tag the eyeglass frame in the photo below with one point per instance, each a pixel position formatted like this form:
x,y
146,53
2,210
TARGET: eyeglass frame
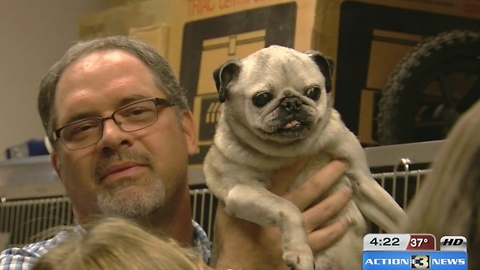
x,y
157,101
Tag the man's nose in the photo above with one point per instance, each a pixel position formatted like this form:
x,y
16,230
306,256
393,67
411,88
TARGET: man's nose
x,y
112,135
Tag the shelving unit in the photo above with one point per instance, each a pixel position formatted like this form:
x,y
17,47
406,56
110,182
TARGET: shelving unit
x,y
45,159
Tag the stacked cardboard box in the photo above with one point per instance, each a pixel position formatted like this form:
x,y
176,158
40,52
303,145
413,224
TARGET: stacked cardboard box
x,y
366,38
147,19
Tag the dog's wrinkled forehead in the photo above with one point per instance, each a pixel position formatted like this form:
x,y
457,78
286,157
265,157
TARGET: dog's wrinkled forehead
x,y
274,67
280,62
275,57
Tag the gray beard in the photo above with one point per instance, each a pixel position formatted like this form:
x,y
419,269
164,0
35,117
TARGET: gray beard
x,y
139,205
140,201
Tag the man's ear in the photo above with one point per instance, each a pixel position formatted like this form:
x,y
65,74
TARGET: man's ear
x,y
56,164
189,130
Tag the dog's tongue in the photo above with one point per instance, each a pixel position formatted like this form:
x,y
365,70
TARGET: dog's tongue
x,y
292,124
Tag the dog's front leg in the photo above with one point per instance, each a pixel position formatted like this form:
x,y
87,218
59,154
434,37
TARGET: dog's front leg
x,y
258,205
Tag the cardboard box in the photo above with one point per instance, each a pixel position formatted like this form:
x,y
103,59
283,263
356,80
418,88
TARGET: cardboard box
x,y
365,38
108,22
156,35
146,13
205,34
369,38
92,25
119,20
116,3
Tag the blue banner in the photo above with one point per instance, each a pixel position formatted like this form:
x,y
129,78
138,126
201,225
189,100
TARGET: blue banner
x,y
407,260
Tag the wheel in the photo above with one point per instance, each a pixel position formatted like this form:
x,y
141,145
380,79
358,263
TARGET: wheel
x,y
431,86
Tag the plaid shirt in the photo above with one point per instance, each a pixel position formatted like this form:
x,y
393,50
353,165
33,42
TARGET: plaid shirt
x,y
23,258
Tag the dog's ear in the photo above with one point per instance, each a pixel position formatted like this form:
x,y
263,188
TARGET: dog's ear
x,y
326,66
224,75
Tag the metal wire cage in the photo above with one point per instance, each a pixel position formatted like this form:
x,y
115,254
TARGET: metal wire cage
x,y
35,215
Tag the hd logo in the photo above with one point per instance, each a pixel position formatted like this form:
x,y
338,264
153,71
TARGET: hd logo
x,y
420,262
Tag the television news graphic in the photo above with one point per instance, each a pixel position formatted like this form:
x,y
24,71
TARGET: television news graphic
x,y
414,251
398,242
454,243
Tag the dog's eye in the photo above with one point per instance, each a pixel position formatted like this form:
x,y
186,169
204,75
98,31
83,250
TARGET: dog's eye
x,y
261,99
313,93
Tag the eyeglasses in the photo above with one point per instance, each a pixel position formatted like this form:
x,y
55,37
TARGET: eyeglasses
x,y
131,117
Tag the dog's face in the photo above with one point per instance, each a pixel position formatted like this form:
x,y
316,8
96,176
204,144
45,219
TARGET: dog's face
x,y
278,94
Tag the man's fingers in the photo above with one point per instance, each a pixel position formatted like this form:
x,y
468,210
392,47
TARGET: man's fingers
x,y
327,209
329,235
317,185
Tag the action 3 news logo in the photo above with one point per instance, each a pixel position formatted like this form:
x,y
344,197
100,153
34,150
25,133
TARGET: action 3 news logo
x,y
420,262
425,261
409,255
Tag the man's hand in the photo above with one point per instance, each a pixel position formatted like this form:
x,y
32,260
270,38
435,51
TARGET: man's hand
x,y
245,245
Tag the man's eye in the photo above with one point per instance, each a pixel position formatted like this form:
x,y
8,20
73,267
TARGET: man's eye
x,y
79,130
137,113
84,127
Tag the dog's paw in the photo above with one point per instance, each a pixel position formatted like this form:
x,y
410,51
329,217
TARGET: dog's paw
x,y
299,258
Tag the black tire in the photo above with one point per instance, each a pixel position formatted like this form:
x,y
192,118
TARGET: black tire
x,y
430,87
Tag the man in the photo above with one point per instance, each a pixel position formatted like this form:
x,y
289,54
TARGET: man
x,y
122,133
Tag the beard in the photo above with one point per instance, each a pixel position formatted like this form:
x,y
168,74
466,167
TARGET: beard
x,y
132,198
137,203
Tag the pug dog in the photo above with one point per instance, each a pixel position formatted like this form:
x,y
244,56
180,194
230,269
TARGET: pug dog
x,y
276,110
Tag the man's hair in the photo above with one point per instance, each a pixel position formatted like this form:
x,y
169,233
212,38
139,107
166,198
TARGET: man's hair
x,y
163,74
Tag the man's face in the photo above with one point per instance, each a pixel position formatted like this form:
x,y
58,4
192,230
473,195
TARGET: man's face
x,y
132,174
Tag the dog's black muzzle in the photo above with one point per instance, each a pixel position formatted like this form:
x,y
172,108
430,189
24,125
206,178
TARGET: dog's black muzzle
x,y
291,104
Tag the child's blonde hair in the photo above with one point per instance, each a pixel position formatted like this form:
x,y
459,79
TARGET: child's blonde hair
x,y
114,244
449,201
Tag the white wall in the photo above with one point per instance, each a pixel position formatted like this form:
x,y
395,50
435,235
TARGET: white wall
x,y
33,35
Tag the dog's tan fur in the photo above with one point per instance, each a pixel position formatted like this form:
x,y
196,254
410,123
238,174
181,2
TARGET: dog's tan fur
x,y
251,142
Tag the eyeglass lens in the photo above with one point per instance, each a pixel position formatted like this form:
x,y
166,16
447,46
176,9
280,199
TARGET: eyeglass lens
x,y
129,118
